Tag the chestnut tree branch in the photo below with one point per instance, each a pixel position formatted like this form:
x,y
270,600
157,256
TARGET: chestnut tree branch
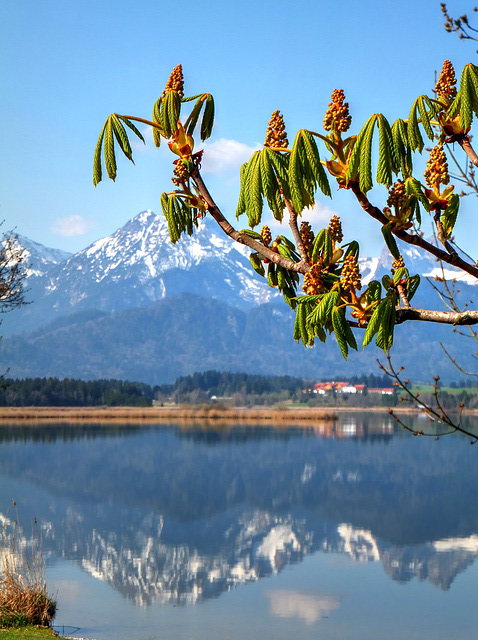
x,y
450,258
243,238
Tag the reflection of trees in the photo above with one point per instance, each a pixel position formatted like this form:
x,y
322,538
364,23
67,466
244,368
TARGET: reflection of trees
x,y
218,503
403,490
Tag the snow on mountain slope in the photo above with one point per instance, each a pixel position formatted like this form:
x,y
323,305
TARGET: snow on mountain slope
x,y
40,258
139,256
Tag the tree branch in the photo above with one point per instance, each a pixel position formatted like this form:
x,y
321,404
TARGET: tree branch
x,y
295,231
443,317
242,238
452,259
465,144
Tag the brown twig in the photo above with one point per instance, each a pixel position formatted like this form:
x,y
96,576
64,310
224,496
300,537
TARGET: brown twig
x,y
450,258
435,413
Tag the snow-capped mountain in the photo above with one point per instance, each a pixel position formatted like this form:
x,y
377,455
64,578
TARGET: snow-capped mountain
x,y
134,267
122,307
138,265
38,258
142,264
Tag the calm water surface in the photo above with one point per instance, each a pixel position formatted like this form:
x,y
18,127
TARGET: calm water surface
x,y
351,532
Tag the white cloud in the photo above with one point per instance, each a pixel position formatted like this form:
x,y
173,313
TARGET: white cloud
x,y
72,226
225,156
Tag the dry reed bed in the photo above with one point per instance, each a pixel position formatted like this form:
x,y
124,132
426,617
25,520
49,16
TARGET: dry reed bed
x,y
166,414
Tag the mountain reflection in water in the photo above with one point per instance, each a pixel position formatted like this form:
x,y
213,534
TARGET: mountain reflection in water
x,y
173,515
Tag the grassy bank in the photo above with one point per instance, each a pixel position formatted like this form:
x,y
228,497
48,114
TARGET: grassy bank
x,y
27,633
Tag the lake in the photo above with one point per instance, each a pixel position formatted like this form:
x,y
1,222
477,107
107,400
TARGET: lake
x,y
355,530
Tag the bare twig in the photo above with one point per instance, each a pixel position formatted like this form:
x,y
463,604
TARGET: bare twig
x,y
436,413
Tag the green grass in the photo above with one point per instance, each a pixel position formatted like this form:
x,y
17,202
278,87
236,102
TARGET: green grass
x,y
27,633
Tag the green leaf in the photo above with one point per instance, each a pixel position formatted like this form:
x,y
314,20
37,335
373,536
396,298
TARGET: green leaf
x,y
412,286
97,173
313,157
252,234
174,109
374,291
387,324
241,205
169,114
253,190
270,186
109,145
134,129
325,306
322,246
388,159
424,111
466,101
361,157
193,117
402,148
390,240
281,166
271,275
400,274
121,137
415,139
343,333
257,265
157,119
208,118
374,322
449,215
351,249
296,175
300,325
414,188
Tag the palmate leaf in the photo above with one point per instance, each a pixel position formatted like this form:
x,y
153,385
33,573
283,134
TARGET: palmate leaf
x,y
169,111
300,326
180,215
374,322
322,246
343,332
316,166
423,111
113,129
402,148
306,172
208,118
414,188
388,160
466,100
131,126
253,190
270,186
382,324
386,324
361,157
121,137
260,179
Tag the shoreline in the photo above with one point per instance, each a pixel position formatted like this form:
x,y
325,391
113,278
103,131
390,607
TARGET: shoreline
x,y
188,413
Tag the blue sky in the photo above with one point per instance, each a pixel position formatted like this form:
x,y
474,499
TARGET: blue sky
x,y
69,64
